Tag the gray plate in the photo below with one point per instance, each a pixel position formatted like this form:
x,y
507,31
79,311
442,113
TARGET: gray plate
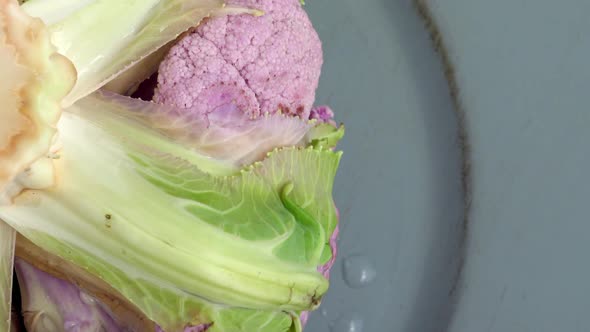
x,y
524,80
399,187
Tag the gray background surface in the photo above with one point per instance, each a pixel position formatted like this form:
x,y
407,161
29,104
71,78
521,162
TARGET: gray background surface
x,y
399,187
524,74
524,80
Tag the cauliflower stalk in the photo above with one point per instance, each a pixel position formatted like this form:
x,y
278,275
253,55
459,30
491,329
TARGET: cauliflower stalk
x,y
213,218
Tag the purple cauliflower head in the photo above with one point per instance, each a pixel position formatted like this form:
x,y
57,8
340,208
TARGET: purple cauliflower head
x,y
261,64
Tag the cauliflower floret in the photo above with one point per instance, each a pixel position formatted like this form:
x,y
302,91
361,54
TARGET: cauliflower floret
x,y
323,114
259,63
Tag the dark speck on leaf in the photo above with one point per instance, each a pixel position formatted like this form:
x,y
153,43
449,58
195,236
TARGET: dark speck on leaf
x,y
108,217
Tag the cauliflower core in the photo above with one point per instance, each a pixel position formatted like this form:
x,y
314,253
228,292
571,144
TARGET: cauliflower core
x,y
259,64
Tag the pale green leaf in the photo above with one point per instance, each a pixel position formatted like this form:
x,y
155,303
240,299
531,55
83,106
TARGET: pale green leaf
x,y
141,212
102,43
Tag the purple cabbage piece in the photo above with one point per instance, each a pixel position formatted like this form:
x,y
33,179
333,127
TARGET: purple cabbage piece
x,y
52,304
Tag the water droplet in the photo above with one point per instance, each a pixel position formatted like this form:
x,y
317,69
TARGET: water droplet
x,y
348,323
358,271
324,312
87,299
